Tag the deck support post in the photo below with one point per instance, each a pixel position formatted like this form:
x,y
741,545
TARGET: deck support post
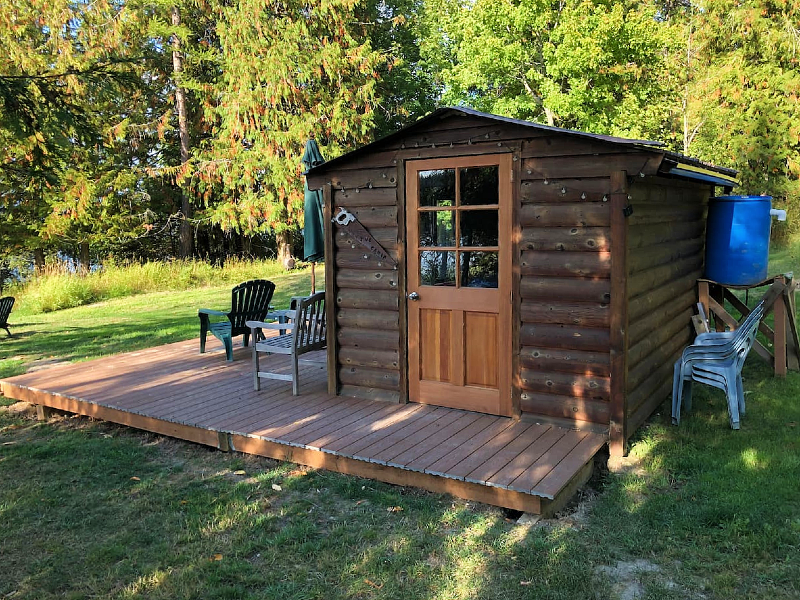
x,y
43,413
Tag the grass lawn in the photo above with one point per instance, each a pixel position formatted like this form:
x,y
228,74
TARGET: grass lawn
x,y
123,324
93,510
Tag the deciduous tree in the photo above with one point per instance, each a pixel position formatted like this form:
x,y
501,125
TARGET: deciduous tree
x,y
743,93
583,64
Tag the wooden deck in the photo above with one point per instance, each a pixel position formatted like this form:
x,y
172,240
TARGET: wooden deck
x,y
175,391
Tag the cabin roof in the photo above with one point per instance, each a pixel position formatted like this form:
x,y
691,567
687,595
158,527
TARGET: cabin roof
x,y
673,163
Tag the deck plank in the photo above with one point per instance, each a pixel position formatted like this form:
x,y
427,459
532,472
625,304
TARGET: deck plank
x,y
527,457
342,421
537,471
446,465
383,443
509,452
492,447
382,425
404,451
366,423
552,483
419,456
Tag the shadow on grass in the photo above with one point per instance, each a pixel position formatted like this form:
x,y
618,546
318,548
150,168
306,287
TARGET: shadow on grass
x,y
115,514
716,511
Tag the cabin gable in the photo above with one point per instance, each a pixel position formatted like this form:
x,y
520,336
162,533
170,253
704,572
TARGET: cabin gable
x,y
605,251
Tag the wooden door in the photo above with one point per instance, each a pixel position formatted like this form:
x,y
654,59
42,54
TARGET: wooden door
x,y
458,224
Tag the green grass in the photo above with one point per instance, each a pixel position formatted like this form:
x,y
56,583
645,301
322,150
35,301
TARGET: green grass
x,y
90,509
123,324
58,288
719,509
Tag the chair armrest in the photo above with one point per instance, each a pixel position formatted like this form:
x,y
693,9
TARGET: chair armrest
x,y
278,326
262,325
280,314
716,334
714,338
208,311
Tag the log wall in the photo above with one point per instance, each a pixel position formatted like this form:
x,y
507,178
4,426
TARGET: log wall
x,y
368,319
666,236
564,294
565,265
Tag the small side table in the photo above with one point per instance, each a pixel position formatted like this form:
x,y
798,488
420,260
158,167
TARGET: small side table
x,y
282,316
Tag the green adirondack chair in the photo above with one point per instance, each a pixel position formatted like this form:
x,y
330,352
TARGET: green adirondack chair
x,y
6,304
249,302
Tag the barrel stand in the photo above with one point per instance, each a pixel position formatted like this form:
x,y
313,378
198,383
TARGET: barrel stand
x,y
780,300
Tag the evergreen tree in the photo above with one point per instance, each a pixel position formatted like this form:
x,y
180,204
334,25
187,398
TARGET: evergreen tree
x,y
290,71
65,64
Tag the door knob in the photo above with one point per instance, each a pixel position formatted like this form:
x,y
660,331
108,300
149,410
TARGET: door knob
x,y
413,296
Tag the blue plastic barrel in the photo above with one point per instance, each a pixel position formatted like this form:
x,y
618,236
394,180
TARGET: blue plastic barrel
x,y
737,239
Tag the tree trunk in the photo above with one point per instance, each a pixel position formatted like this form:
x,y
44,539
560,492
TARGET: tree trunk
x,y
551,117
38,261
247,246
83,258
185,250
284,239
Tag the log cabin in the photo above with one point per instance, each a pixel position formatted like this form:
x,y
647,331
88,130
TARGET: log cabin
x,y
512,268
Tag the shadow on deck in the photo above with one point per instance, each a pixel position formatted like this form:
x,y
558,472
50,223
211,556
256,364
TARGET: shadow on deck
x,y
173,390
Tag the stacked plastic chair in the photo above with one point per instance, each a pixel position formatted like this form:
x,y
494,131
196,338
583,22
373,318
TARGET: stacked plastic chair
x,y
716,359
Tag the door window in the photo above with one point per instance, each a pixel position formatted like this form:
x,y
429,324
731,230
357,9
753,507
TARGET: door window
x,y
458,227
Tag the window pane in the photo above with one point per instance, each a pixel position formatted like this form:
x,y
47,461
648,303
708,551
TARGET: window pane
x,y
479,269
478,227
479,185
437,228
437,188
437,268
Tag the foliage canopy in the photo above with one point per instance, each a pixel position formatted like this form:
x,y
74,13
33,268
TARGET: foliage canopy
x,y
91,146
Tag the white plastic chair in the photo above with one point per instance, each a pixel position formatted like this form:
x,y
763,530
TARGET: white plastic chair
x,y
717,359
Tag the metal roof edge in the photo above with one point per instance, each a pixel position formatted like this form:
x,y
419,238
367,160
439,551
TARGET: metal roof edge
x,y
692,168
673,163
647,144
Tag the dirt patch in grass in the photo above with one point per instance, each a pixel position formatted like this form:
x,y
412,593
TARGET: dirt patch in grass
x,y
627,577
40,364
20,409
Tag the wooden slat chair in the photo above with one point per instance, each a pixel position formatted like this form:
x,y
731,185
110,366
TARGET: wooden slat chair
x,y
249,302
6,304
308,333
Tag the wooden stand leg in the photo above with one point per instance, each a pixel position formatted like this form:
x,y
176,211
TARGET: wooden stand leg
x,y
702,297
780,334
717,292
792,342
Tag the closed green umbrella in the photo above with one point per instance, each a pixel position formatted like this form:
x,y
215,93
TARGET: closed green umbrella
x,y
313,229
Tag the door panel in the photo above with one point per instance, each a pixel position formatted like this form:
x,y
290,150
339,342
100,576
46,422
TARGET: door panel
x,y
458,224
481,342
435,331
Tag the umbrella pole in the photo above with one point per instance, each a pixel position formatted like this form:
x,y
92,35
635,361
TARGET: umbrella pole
x,y
313,278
